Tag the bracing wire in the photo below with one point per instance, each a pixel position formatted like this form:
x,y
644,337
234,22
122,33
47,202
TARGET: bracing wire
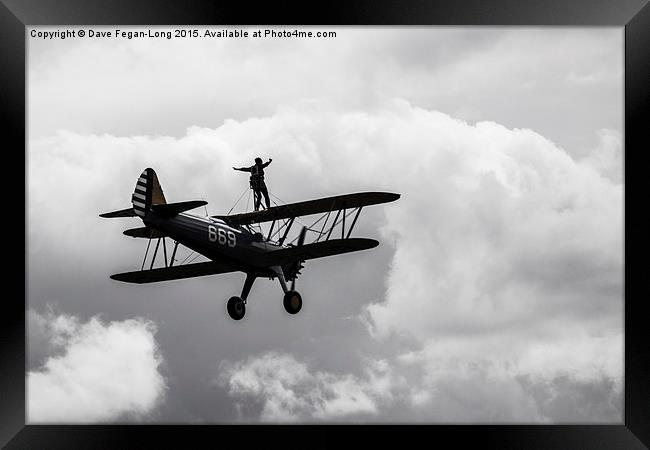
x,y
183,262
347,214
192,260
233,206
282,201
309,228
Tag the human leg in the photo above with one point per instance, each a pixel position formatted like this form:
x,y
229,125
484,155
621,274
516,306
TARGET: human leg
x,y
258,198
267,200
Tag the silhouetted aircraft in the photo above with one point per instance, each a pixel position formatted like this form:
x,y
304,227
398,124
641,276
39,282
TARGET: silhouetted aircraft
x,y
232,244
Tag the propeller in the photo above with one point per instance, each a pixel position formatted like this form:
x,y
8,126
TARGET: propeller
x,y
301,240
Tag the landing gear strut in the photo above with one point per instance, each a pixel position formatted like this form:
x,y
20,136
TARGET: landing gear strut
x,y
292,300
237,305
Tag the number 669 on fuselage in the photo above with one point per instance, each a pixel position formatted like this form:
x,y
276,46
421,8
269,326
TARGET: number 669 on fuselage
x,y
224,237
233,244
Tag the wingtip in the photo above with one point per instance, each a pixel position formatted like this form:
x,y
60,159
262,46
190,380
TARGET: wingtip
x,y
391,196
118,277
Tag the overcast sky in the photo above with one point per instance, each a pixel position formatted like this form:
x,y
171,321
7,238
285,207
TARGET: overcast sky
x,y
495,295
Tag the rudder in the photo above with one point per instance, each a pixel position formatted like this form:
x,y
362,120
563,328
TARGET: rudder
x,y
147,193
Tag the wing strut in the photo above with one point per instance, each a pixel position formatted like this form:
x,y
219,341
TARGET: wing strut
x,y
145,254
338,213
171,263
270,230
354,221
320,235
154,254
286,231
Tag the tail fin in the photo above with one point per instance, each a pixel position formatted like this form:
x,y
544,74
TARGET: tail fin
x,y
147,193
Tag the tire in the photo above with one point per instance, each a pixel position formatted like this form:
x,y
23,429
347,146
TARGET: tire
x,y
292,302
236,308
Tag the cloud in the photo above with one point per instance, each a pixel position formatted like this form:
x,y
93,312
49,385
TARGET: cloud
x,y
568,400
276,387
562,82
506,280
607,157
516,380
499,230
102,371
508,262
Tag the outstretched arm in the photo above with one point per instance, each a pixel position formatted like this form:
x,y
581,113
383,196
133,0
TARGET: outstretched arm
x,y
243,169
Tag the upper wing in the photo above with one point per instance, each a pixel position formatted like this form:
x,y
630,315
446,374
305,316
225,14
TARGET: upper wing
x,y
175,272
321,205
319,250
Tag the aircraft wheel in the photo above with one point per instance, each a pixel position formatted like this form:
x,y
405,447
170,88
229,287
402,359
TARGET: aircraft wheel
x,y
292,302
236,308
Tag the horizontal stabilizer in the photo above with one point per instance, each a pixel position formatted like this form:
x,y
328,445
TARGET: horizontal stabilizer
x,y
171,209
129,212
144,232
175,272
317,206
319,250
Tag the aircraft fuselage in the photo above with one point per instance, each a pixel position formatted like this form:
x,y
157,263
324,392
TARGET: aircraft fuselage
x,y
213,238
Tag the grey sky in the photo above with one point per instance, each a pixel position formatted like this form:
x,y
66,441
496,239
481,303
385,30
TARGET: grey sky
x,y
497,287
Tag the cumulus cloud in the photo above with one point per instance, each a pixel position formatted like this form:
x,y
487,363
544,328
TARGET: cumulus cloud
x,y
494,379
276,387
508,262
562,82
607,157
100,371
516,232
506,280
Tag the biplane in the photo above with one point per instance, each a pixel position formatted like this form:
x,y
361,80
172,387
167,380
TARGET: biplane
x,y
232,243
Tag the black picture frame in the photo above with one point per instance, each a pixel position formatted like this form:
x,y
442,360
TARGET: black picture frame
x,y
633,15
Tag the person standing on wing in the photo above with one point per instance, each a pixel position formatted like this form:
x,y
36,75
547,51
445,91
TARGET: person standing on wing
x,y
257,181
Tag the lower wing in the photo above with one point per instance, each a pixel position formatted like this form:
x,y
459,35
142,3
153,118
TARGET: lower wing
x,y
175,272
318,250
